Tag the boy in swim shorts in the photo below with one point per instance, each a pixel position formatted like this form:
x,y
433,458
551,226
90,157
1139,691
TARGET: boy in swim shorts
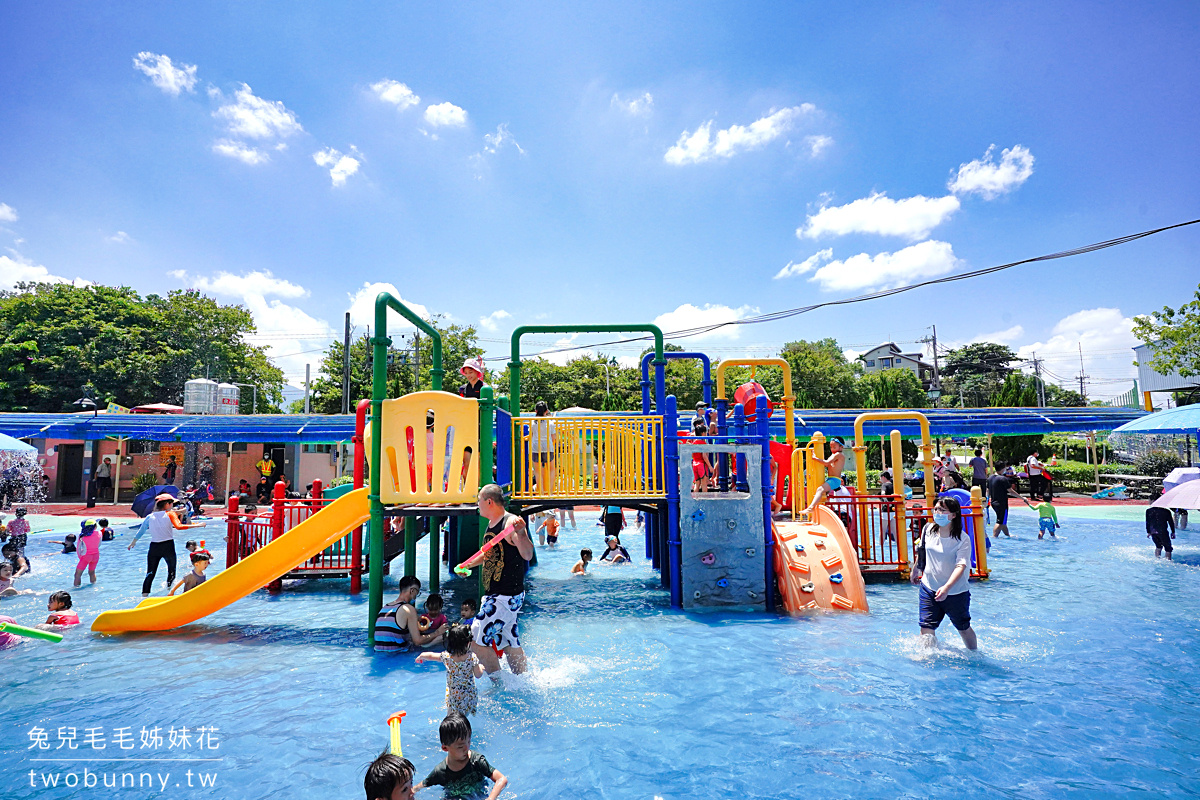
x,y
504,565
1047,519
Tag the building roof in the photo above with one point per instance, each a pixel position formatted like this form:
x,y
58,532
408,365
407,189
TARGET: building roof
x,y
286,428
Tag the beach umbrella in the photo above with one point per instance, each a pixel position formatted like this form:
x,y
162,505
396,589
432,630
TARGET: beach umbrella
x,y
143,504
10,445
1185,495
1180,475
1183,419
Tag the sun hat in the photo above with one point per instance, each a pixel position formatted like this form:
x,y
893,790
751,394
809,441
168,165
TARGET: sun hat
x,y
475,363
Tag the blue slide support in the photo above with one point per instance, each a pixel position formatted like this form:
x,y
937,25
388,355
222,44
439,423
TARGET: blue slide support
x,y
671,475
764,433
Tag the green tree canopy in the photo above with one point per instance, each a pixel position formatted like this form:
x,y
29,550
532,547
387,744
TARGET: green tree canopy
x,y
891,388
58,341
821,375
1174,337
975,372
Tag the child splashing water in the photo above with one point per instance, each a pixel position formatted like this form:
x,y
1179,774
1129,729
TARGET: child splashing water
x,y
462,668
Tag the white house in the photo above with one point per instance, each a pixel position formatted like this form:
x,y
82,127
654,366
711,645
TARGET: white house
x,y
889,356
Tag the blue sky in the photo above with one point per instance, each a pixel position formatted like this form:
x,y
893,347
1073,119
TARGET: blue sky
x,y
564,163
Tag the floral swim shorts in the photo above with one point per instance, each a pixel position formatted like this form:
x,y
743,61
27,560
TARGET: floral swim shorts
x,y
495,625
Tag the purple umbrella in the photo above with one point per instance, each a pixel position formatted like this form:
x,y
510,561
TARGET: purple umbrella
x,y
1185,495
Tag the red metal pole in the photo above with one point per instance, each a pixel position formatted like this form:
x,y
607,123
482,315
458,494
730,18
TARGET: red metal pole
x,y
316,491
231,533
356,541
276,586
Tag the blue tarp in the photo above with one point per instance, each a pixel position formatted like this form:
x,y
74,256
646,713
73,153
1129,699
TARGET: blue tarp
x,y
284,428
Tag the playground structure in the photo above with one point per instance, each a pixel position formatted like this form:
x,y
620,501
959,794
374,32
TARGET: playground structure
x,y
429,452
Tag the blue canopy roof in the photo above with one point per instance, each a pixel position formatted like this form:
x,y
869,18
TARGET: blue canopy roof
x,y
1183,419
284,428
957,422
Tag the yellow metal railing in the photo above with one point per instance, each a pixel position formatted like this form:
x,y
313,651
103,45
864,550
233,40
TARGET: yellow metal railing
x,y
569,458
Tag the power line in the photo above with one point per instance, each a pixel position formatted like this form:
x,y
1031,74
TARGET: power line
x,y
775,316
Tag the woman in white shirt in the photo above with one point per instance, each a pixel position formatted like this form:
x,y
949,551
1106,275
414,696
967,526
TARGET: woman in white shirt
x,y
945,572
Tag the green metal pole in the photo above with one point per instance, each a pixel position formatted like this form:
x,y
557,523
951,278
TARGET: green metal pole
x,y
486,413
410,545
380,344
435,553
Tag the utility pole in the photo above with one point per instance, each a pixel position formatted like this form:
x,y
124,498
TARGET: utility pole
x,y
307,387
1082,375
346,368
937,375
417,360
1037,370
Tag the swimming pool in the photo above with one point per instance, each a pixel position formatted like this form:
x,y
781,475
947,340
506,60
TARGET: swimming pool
x,y
1085,685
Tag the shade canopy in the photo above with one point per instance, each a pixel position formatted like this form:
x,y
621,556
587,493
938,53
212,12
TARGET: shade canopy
x,y
1183,419
10,445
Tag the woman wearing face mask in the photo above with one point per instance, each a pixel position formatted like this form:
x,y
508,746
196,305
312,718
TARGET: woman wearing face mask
x,y
943,568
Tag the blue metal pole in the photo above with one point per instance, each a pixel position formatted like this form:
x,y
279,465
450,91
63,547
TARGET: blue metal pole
x,y
764,431
722,458
671,473
739,430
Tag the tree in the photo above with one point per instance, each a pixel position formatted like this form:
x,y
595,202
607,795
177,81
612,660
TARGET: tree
x,y
891,388
1059,397
459,343
975,372
1018,390
1174,337
58,341
821,375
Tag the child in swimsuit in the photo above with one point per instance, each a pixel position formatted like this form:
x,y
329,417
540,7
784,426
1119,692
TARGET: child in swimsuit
x,y
88,545
462,668
59,606
433,618
1047,519
580,568
551,526
68,544
106,533
18,530
6,580
200,561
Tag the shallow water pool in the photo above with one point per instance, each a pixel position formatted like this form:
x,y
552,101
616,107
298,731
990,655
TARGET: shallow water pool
x,y
1084,686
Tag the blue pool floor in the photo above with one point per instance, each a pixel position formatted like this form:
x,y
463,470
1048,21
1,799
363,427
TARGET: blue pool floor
x,y
1084,685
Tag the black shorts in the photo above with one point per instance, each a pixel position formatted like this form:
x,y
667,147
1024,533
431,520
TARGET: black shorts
x,y
541,458
980,482
1162,541
552,538
955,606
1001,512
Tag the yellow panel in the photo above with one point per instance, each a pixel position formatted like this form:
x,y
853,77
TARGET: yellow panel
x,y
410,472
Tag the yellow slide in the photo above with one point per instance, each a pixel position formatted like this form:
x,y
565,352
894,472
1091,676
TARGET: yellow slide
x,y
817,565
253,572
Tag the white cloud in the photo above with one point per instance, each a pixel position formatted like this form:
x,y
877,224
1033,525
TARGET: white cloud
x,y
1006,336
232,149
491,321
688,316
255,118
701,146
19,270
987,178
396,93
913,217
923,260
818,144
257,282
852,355
1106,337
444,114
120,237
635,106
7,213
806,266
494,141
362,308
165,75
340,166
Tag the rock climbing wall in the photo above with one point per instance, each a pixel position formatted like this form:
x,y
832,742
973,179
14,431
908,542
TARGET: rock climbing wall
x,y
722,536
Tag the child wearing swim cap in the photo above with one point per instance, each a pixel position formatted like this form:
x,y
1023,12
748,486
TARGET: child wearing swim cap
x,y
88,547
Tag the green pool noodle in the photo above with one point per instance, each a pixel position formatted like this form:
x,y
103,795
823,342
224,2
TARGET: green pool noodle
x,y
32,633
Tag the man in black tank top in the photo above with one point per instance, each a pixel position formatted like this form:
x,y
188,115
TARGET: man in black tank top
x,y
495,626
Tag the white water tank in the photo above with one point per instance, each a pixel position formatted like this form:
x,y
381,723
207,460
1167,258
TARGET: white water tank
x,y
228,398
199,396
